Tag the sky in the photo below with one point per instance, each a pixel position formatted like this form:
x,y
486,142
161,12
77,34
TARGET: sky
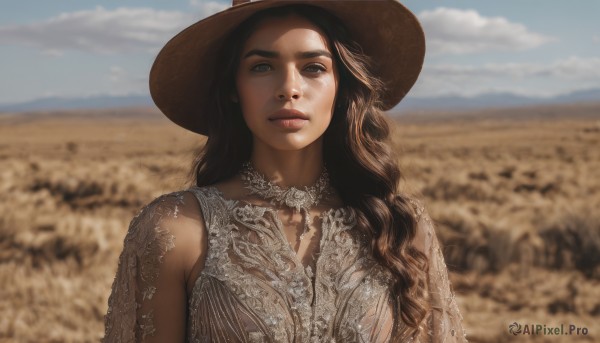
x,y
68,48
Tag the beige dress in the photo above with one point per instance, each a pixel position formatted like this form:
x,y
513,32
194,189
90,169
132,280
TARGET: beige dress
x,y
253,287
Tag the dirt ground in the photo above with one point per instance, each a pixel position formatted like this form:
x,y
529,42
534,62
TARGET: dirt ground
x,y
514,195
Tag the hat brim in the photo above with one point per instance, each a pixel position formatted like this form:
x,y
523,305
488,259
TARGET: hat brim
x,y
387,31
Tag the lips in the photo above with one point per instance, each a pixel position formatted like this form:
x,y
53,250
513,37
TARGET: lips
x,y
289,119
288,114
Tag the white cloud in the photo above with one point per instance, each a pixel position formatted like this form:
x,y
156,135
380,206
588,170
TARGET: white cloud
x,y
558,77
123,82
99,30
569,68
53,53
573,68
116,74
456,31
207,8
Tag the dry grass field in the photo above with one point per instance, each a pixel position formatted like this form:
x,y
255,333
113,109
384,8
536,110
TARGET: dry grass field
x,y
514,193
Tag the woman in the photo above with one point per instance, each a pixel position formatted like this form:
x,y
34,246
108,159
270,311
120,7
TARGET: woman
x,y
295,230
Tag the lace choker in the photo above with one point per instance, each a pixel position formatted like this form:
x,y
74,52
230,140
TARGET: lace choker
x,y
300,200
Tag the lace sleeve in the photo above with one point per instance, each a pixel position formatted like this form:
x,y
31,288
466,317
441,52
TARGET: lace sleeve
x,y
148,298
444,323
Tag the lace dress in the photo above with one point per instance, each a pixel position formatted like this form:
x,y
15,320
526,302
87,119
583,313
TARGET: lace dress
x,y
252,286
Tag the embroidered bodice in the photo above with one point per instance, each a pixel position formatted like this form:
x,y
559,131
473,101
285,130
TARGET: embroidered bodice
x,y
254,288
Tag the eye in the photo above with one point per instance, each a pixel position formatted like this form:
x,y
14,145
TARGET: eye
x,y
262,67
315,68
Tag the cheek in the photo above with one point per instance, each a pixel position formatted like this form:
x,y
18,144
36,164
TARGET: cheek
x,y
326,88
252,98
253,92
326,94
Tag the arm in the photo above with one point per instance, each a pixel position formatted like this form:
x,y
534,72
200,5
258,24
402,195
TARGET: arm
x,y
148,302
444,323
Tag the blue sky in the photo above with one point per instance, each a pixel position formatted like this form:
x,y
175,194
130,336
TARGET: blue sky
x,y
70,48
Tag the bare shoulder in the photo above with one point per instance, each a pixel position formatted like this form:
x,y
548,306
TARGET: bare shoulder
x,y
177,213
232,188
419,211
170,235
425,231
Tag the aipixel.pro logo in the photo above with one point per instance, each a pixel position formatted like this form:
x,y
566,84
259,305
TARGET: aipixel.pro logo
x,y
546,330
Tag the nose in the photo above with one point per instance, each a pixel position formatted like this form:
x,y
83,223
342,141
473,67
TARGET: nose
x,y
290,88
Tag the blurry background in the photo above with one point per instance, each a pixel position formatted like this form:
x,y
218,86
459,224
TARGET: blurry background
x,y
500,136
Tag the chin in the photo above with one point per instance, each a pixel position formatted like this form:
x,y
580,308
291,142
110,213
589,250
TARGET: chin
x,y
290,142
289,146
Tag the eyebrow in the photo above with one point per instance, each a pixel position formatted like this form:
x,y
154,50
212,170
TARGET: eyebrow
x,y
301,55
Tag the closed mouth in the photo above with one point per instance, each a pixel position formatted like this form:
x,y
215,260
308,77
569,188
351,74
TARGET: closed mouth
x,y
288,114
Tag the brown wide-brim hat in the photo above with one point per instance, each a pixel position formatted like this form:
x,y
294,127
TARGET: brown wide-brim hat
x,y
388,33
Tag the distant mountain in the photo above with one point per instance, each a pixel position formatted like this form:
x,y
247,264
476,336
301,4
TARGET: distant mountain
x,y
94,102
496,100
584,95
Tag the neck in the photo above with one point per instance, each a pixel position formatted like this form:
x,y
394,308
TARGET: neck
x,y
289,168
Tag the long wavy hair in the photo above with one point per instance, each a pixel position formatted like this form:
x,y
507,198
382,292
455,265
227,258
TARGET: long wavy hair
x,y
357,153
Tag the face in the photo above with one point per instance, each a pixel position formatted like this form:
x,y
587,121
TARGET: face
x,y
286,83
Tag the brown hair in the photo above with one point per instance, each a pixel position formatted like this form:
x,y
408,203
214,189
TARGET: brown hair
x,y
356,151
